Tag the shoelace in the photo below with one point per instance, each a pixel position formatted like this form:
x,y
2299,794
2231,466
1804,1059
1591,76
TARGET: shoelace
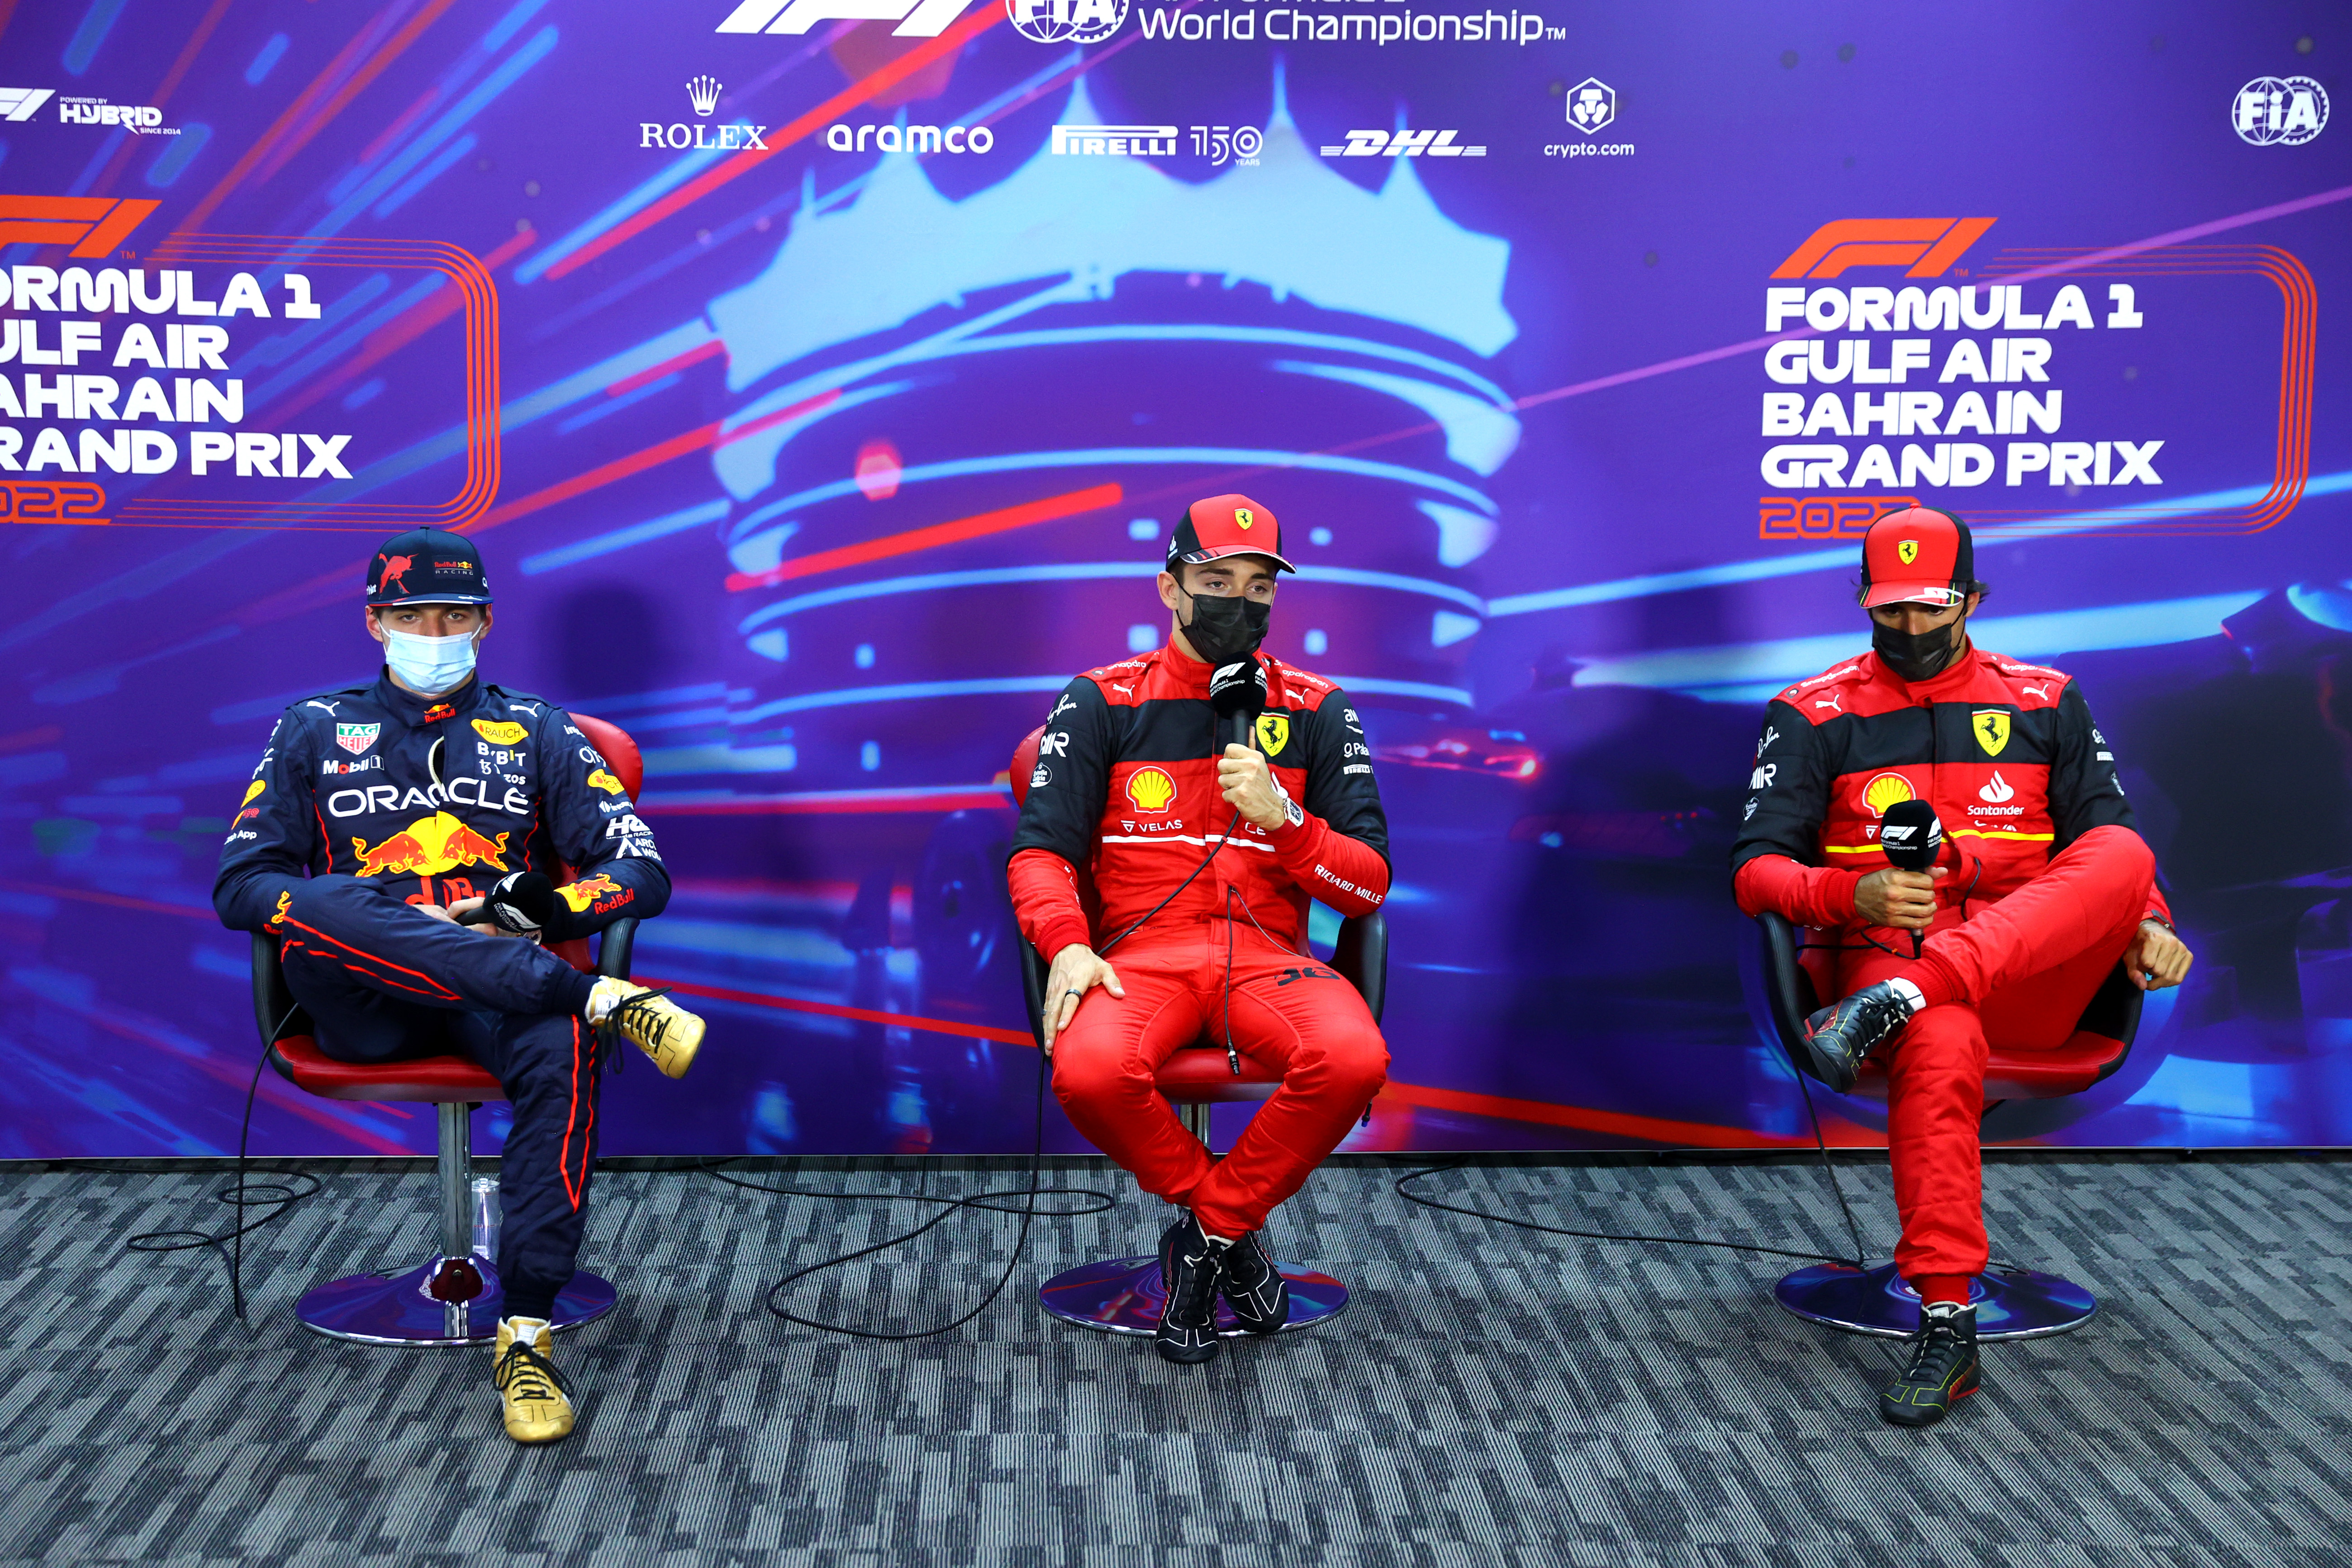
x,y
612,1029
1201,1301
1938,1337
526,1374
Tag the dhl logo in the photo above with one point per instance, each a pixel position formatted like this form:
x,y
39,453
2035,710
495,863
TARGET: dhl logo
x,y
1926,245
586,892
93,226
1150,789
428,847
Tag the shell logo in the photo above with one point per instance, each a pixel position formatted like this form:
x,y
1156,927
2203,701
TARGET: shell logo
x,y
1884,790
1150,789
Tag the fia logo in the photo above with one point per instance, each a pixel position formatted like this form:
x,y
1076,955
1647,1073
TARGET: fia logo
x,y
2279,112
1067,21
1592,105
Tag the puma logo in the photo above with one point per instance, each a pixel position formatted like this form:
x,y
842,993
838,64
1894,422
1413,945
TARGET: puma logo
x,y
2041,692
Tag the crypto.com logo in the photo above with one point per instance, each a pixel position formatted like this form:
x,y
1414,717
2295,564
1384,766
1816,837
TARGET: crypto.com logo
x,y
916,18
1925,245
1591,104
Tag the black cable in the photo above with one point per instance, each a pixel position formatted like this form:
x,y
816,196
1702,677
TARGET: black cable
x,y
1821,1144
240,1194
1028,1212
1101,1200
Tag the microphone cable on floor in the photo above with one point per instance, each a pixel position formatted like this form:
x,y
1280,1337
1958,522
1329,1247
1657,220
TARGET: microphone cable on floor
x,y
1828,1168
279,1196
1100,1202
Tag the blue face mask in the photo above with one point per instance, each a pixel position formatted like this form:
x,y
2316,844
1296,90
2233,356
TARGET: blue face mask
x,y
429,665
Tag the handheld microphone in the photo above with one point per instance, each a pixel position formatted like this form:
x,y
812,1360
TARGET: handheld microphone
x,y
1237,696
1912,838
523,903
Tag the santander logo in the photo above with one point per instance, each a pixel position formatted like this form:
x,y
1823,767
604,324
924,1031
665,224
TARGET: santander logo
x,y
1996,791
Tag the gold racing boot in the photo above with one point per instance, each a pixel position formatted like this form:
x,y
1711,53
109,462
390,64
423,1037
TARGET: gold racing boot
x,y
650,1020
536,1405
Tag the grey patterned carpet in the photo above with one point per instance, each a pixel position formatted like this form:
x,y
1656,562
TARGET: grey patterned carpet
x,y
1491,1396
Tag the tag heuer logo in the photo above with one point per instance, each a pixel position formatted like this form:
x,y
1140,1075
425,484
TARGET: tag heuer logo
x,y
356,738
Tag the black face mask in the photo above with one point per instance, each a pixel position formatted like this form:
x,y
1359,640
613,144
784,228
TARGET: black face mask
x,y
1222,630
1917,656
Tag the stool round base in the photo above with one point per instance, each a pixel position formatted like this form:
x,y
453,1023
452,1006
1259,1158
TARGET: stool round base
x,y
394,1309
2011,1303
1123,1296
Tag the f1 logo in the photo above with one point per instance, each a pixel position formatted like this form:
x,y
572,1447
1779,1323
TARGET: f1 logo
x,y
916,18
93,226
20,103
1925,245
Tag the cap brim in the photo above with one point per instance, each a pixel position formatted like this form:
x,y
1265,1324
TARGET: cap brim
x,y
1199,556
431,599
1936,594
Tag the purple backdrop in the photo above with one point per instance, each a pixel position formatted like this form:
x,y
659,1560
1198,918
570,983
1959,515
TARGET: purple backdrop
x,y
1570,349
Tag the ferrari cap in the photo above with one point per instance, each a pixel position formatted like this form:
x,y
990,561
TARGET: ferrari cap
x,y
1227,525
1920,555
427,566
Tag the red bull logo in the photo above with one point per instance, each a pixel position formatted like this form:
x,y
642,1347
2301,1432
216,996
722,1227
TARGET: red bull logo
x,y
580,894
428,847
394,566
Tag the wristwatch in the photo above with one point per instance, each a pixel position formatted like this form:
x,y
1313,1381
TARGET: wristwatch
x,y
1291,810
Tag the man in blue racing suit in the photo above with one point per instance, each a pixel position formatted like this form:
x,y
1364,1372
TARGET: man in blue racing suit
x,y
380,815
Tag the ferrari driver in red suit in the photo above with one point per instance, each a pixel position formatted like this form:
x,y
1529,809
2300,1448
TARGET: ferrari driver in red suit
x,y
1202,858
2043,885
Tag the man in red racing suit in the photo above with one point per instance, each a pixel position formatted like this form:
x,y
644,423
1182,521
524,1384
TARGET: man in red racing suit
x,y
1215,852
2043,885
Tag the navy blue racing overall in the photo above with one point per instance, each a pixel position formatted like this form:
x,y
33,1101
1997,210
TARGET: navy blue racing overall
x,y
372,801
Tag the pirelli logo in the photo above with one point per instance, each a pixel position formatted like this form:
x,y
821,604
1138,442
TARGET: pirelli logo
x,y
93,226
1924,246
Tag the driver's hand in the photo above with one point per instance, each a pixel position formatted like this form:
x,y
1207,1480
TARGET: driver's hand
x,y
465,906
1076,970
1247,785
2157,957
1904,900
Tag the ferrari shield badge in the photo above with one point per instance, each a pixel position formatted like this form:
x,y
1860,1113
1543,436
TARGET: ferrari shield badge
x,y
1273,732
1992,727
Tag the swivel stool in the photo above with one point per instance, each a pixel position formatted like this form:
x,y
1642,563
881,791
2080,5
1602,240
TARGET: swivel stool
x,y
454,1296
1124,1295
2011,1302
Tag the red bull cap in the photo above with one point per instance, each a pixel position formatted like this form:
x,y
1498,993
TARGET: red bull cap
x,y
1920,555
1226,525
427,566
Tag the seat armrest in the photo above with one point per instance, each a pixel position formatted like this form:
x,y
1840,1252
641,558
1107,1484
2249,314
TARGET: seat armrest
x,y
615,947
276,1015
1786,987
1033,989
1360,957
